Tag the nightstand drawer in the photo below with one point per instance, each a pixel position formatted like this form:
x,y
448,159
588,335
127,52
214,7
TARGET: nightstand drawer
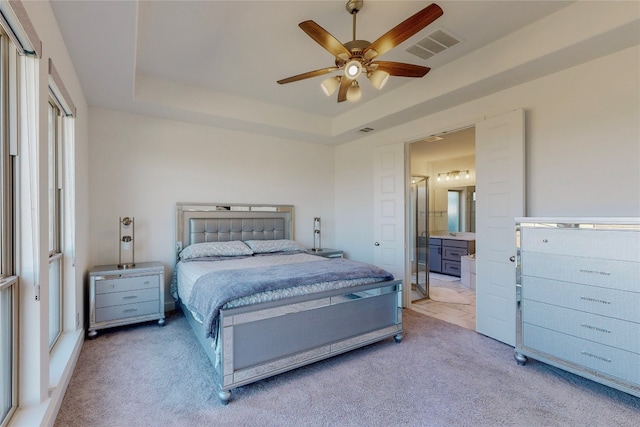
x,y
123,284
128,297
127,310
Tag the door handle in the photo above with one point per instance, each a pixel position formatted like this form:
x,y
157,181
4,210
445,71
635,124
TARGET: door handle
x,y
377,244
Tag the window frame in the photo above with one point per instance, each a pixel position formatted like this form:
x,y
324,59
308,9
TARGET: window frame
x,y
55,209
8,278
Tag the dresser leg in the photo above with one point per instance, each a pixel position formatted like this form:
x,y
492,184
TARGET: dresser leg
x,y
161,322
520,358
224,396
92,334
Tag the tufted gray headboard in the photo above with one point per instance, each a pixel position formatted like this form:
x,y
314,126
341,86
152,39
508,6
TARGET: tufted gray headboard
x,y
217,222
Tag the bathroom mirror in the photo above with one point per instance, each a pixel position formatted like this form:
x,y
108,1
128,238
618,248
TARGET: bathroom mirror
x,y
457,207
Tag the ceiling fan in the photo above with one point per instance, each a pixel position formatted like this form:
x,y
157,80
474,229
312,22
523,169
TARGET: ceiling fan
x,y
358,56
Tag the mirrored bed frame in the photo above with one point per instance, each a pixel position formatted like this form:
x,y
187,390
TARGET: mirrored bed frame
x,y
264,339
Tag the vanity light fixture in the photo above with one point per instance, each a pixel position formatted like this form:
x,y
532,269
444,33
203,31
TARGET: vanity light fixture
x,y
455,175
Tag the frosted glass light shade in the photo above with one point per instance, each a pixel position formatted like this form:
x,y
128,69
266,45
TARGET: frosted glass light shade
x,y
378,78
330,85
354,92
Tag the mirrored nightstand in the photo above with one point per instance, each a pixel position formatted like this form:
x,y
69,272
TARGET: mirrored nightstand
x,y
327,253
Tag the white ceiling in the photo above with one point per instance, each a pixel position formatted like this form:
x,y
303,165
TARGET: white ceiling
x,y
217,62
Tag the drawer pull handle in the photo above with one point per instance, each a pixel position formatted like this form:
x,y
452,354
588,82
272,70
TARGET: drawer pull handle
x,y
601,301
595,356
130,297
129,310
596,272
146,282
595,328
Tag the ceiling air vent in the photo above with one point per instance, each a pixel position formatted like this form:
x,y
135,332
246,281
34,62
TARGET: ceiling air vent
x,y
436,42
366,130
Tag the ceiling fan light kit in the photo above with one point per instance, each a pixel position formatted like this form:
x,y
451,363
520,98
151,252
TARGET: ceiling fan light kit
x,y
357,56
354,92
353,69
378,78
330,85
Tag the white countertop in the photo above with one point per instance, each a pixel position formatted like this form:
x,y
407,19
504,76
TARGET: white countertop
x,y
454,236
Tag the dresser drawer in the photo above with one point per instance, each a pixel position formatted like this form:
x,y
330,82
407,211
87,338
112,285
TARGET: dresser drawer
x,y
604,330
607,273
122,284
123,311
128,297
614,303
604,359
580,242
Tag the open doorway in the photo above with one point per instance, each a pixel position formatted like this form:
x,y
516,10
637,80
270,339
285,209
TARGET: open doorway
x,y
443,226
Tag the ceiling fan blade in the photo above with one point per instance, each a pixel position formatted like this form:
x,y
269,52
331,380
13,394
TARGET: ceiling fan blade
x,y
403,31
345,83
307,75
324,39
401,69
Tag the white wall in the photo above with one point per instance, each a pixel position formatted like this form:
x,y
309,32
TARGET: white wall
x,y
142,166
582,138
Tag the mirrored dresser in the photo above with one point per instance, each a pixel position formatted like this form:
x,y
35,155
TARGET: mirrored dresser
x,y
578,297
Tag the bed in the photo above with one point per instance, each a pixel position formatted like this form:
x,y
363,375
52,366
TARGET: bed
x,y
297,308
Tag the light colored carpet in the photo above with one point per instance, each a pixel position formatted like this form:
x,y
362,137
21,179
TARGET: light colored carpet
x,y
439,375
448,295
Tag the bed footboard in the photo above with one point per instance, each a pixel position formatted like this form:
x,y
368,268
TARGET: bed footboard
x,y
266,339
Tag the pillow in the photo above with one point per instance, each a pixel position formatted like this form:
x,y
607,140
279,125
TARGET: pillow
x,y
215,249
216,258
271,246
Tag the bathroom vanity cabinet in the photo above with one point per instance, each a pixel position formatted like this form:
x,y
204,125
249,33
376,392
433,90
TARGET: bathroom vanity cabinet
x,y
446,252
577,295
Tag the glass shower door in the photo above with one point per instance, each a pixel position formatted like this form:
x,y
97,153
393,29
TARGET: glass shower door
x,y
420,236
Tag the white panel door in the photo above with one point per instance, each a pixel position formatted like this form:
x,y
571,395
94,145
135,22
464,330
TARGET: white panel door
x,y
500,199
388,177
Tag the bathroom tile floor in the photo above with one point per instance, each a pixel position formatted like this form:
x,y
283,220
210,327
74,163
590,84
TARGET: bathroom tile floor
x,y
460,314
